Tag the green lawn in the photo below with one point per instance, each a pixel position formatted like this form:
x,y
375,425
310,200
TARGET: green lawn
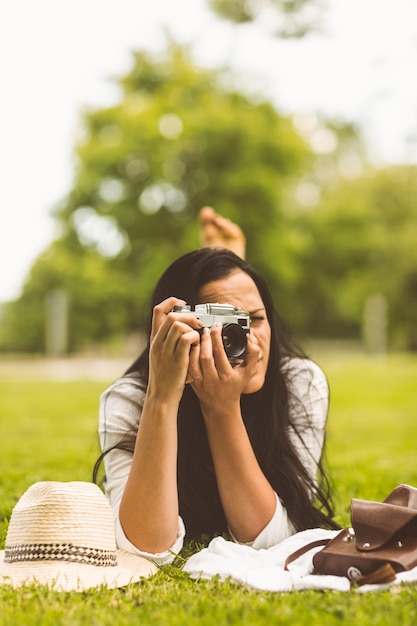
x,y
49,433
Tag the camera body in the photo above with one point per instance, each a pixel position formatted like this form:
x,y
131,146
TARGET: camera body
x,y
235,325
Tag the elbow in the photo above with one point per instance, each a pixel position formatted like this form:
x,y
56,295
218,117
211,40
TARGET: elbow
x,y
159,546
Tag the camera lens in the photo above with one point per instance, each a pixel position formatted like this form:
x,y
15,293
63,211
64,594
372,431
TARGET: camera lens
x,y
234,340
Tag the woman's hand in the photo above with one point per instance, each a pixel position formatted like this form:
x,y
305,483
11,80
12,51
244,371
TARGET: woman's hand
x,y
217,383
173,336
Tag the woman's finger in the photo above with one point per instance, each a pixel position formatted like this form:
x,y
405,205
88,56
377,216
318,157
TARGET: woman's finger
x,y
206,353
165,318
161,311
179,338
221,361
251,354
194,369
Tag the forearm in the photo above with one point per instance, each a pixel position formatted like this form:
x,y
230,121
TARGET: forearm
x,y
248,499
149,506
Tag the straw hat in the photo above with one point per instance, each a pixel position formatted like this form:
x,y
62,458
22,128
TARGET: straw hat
x,y
62,535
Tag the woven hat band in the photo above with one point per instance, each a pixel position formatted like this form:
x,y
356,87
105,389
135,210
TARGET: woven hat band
x,y
60,552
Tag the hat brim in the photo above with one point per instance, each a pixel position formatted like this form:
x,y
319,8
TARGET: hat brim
x,y
68,576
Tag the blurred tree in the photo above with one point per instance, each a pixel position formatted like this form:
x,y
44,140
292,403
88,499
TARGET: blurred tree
x,y
359,242
181,137
339,157
395,194
326,231
285,18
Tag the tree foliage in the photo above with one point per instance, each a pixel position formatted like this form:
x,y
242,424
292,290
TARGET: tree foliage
x,y
179,138
361,241
325,231
286,18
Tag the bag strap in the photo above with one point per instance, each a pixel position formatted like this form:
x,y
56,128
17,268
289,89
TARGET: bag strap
x,y
381,576
308,546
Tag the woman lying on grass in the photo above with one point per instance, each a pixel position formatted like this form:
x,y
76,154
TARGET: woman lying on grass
x,y
197,445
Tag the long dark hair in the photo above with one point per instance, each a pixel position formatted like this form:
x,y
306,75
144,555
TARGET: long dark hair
x,y
266,413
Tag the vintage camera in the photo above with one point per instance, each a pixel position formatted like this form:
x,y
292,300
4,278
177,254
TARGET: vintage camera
x,y
235,325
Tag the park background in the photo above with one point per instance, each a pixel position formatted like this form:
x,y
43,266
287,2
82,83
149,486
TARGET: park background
x,y
296,119
298,123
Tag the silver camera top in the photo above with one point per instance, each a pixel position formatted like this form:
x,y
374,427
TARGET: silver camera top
x,y
213,313
235,325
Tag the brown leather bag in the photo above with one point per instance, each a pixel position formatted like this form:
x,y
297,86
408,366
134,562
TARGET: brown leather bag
x,y
381,542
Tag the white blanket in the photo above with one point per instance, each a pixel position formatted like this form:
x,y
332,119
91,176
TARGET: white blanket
x,y
264,569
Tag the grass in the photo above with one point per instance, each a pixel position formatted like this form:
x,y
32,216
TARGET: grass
x,y
372,426
49,433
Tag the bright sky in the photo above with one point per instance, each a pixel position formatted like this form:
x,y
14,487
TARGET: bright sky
x,y
56,59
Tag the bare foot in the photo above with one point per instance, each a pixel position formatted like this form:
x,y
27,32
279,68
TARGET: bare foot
x,y
218,232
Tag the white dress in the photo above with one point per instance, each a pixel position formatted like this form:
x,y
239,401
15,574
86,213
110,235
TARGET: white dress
x,y
120,410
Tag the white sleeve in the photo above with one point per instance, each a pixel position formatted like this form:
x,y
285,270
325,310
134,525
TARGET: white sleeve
x,y
277,529
120,410
309,404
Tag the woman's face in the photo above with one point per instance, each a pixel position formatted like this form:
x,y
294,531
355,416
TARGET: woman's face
x,y
239,289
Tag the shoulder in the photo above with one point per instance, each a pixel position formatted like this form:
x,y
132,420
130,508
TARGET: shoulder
x,y
304,373
308,390
131,387
121,403
308,397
